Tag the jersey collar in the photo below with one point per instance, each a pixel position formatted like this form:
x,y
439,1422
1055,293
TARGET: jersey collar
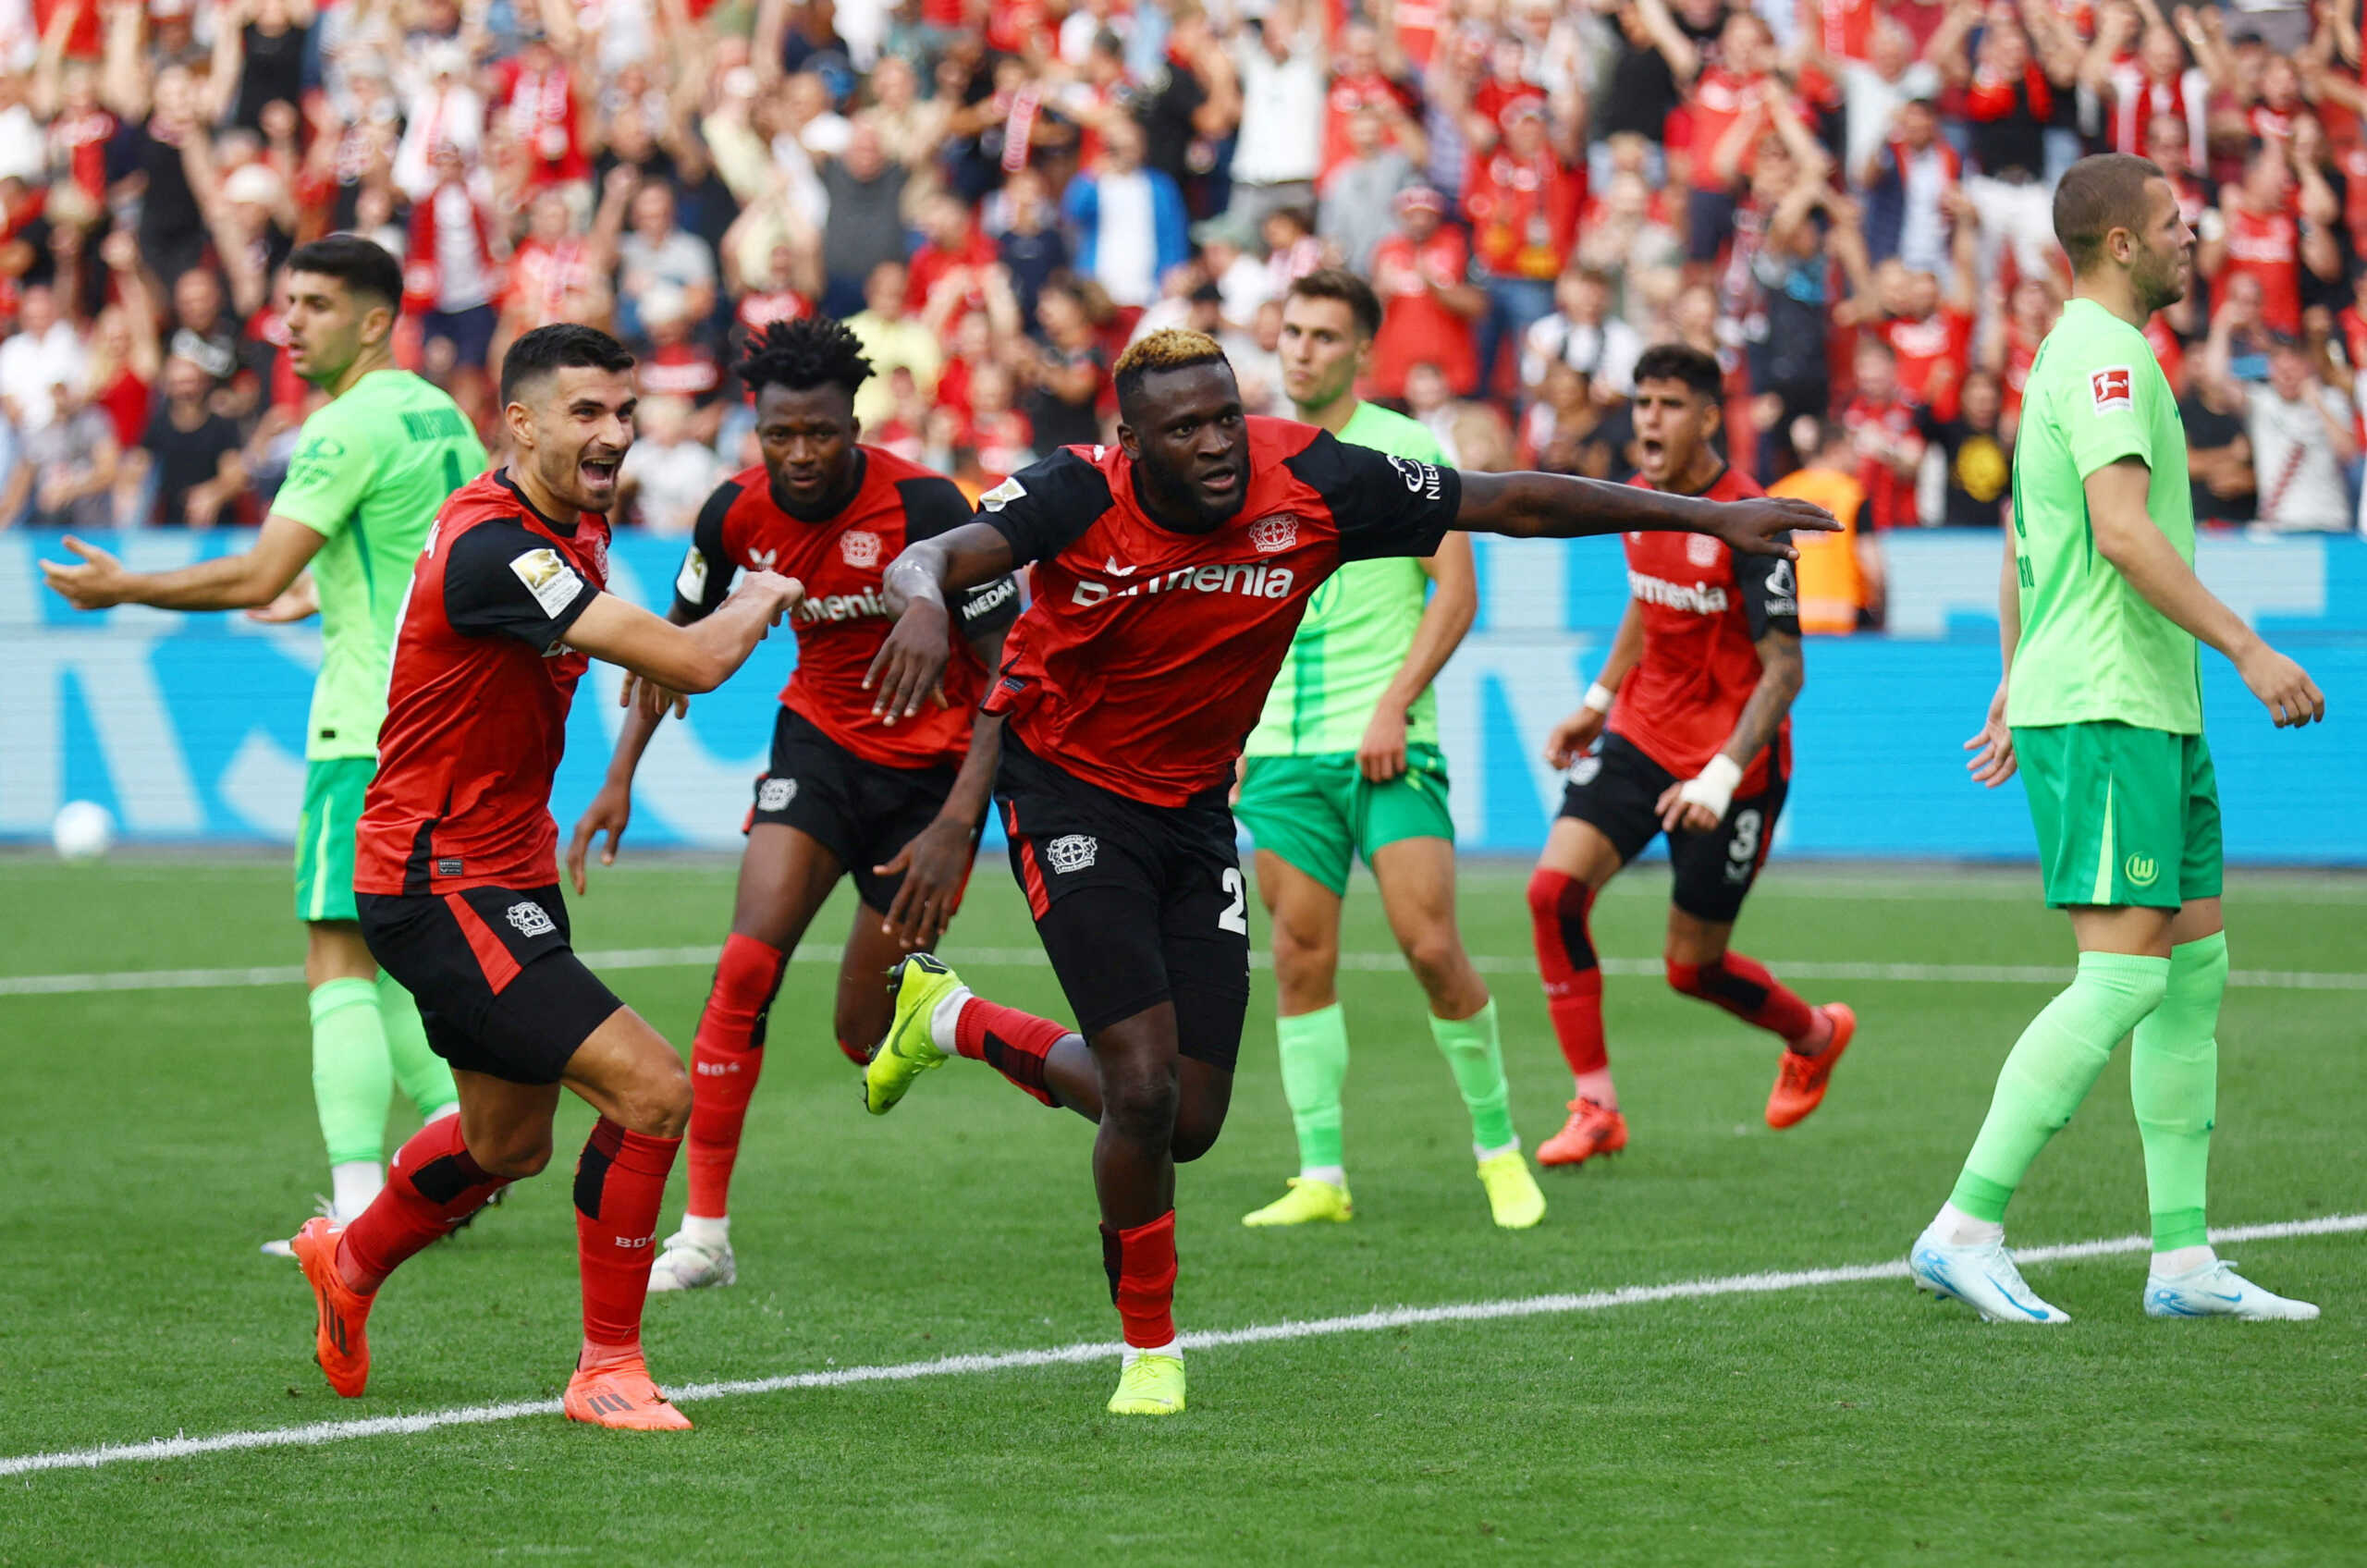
x,y
565,530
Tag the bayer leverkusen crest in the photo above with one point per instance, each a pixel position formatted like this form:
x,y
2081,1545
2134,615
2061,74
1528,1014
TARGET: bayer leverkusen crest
x,y
1274,534
860,548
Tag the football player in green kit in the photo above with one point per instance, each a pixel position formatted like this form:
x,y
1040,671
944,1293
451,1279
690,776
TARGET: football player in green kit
x,y
1345,763
371,468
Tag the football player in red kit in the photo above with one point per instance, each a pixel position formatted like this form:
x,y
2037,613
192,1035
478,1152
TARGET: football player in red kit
x,y
1692,712
456,871
898,808
1170,570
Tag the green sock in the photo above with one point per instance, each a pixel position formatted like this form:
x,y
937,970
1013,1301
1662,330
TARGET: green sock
x,y
1476,1061
2174,1081
425,1080
2051,1070
352,1081
1315,1063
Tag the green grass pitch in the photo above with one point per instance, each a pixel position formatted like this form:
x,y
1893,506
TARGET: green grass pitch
x,y
155,1137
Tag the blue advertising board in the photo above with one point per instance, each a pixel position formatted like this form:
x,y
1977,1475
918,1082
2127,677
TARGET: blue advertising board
x,y
191,728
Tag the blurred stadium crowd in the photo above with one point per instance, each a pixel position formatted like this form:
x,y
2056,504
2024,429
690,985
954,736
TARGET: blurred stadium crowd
x,y
1848,200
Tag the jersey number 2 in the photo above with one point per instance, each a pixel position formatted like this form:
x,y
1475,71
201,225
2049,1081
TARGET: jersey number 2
x,y
1234,916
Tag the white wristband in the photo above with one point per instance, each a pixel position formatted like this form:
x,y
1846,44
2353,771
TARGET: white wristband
x,y
1599,698
1714,787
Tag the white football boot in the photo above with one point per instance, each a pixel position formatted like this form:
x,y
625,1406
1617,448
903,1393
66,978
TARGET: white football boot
x,y
1982,1277
2215,1289
686,1265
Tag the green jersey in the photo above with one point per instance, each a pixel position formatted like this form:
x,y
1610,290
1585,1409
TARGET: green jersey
x,y
1357,629
2092,648
370,470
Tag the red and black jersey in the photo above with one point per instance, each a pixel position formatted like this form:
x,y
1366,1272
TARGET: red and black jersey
x,y
476,706
1704,608
1144,659
841,557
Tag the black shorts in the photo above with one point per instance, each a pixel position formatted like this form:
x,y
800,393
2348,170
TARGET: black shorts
x,y
861,812
498,988
1135,904
1617,788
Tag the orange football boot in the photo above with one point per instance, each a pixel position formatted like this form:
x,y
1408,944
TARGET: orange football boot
x,y
1591,1130
338,1343
621,1396
1800,1081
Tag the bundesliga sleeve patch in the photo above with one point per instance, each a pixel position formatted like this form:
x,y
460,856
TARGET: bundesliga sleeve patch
x,y
2114,389
1002,495
691,582
550,580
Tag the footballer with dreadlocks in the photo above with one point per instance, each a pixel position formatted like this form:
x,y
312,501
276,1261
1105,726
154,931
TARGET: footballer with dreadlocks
x,y
897,804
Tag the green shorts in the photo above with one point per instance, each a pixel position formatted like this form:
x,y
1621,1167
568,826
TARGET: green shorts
x,y
333,791
2125,817
1320,812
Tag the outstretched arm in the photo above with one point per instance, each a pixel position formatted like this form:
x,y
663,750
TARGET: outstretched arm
x,y
227,582
1556,506
685,659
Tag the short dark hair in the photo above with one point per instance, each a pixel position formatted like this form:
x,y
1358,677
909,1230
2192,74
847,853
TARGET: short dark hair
x,y
560,346
364,266
1169,349
1338,283
802,354
2097,195
1682,361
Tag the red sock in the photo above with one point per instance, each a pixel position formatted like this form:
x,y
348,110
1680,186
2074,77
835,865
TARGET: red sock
x,y
726,1056
1014,1042
432,1186
619,1182
1744,987
1558,906
1142,1280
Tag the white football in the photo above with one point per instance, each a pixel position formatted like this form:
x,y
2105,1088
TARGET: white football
x,y
84,831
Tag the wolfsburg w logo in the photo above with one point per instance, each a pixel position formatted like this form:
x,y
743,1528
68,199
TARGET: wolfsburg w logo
x,y
1247,577
2140,870
1700,599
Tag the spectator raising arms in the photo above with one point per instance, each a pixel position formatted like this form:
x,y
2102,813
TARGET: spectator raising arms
x,y
1846,202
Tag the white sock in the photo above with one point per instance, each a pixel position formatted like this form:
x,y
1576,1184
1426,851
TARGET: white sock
x,y
1337,1175
1484,1156
1172,1347
713,1235
948,1013
1961,1229
2182,1260
352,1184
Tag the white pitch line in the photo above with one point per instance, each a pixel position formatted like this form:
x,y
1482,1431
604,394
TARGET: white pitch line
x,y
318,1432
1033,958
